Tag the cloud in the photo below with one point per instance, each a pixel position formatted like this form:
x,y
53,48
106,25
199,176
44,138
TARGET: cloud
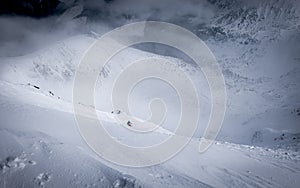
x,y
22,34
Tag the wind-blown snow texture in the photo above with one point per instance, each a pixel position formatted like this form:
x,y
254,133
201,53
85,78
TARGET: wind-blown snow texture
x,y
257,47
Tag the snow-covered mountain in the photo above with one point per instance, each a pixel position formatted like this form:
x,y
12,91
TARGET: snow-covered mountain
x,y
257,47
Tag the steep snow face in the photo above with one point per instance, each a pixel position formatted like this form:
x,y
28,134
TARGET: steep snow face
x,y
50,73
256,45
260,67
51,69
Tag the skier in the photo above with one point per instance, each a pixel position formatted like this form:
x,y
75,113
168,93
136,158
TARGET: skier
x,y
116,112
129,123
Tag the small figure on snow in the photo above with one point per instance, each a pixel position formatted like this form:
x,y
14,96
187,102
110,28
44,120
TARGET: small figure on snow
x,y
116,112
51,93
129,123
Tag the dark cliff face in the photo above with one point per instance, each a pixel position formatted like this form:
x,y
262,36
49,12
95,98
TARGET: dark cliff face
x,y
40,8
33,8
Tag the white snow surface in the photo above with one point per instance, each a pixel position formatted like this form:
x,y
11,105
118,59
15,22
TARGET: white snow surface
x,y
258,145
41,146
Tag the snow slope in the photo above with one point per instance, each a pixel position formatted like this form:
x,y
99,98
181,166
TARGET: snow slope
x,y
256,45
43,148
41,145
